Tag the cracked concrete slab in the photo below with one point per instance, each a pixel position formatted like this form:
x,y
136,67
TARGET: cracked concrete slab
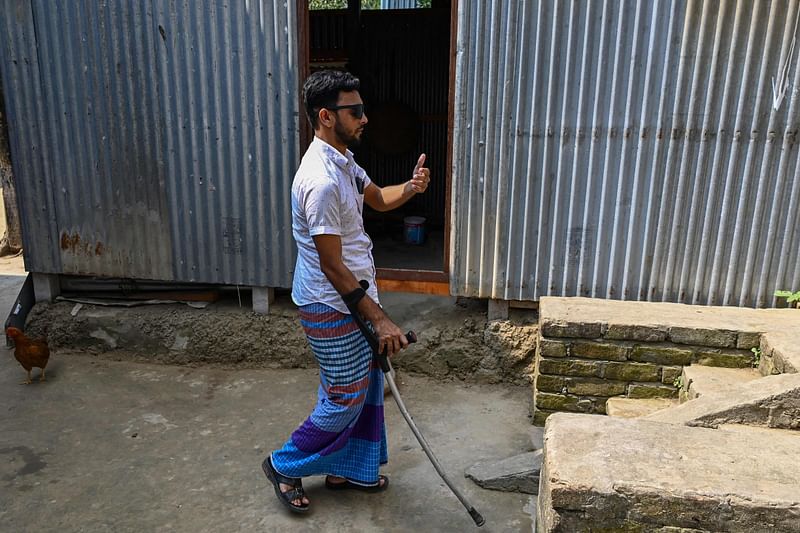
x,y
519,473
611,474
771,401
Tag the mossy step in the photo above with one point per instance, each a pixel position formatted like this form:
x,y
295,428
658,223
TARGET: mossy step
x,y
697,380
636,407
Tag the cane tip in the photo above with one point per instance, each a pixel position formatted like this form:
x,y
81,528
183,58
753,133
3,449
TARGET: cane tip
x,y
476,516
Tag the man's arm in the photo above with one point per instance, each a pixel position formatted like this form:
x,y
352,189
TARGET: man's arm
x,y
393,196
329,248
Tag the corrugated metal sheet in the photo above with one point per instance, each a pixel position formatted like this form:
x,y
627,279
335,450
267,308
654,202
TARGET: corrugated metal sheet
x,y
154,140
626,150
327,33
25,101
398,4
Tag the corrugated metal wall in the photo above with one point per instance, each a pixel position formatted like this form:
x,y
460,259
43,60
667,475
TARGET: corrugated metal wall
x,y
154,140
327,36
626,150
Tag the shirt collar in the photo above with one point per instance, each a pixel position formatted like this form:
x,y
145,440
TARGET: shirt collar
x,y
342,160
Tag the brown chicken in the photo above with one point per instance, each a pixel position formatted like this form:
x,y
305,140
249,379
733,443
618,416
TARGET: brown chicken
x,y
29,352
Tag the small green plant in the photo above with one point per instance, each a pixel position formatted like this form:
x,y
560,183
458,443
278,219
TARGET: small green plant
x,y
678,382
756,356
791,297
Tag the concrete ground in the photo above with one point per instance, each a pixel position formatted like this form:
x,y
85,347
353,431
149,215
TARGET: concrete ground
x,y
12,276
122,446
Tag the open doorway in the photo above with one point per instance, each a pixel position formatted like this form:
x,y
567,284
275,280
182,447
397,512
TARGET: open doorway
x,y
401,52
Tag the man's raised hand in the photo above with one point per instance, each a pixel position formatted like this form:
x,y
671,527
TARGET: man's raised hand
x,y
421,176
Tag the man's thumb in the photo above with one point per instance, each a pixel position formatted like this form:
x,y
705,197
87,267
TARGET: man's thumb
x,y
420,162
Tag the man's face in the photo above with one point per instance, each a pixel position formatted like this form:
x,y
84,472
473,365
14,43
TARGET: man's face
x,y
349,127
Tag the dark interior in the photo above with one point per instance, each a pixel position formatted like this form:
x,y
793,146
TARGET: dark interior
x,y
401,57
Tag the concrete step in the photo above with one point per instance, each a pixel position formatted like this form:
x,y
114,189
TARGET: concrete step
x,y
771,401
636,407
698,380
741,428
608,474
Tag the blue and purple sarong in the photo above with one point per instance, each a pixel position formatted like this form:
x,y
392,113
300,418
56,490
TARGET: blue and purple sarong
x,y
345,435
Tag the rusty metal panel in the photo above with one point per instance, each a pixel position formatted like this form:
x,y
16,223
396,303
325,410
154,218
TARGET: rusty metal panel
x,y
101,138
627,150
229,101
154,140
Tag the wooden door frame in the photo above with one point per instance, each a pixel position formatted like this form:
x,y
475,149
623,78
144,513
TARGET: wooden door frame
x,y
395,279
303,71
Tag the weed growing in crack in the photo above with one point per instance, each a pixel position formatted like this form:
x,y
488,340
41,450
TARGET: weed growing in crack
x,y
756,356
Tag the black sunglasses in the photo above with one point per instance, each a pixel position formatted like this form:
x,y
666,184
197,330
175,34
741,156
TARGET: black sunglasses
x,y
358,109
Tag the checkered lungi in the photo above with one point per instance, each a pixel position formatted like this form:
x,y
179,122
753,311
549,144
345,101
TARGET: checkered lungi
x,y
345,435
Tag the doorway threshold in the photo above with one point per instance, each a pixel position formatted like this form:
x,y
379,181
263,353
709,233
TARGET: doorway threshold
x,y
416,281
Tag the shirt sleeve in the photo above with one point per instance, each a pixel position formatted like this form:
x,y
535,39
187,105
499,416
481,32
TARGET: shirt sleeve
x,y
362,175
321,205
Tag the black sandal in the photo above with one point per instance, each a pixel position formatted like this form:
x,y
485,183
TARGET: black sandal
x,y
350,485
286,498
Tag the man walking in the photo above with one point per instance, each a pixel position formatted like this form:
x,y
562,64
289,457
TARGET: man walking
x,y
344,437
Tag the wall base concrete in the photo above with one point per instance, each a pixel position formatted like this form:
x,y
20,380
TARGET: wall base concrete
x,y
455,338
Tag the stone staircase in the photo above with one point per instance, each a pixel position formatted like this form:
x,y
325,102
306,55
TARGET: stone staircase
x,y
721,455
695,381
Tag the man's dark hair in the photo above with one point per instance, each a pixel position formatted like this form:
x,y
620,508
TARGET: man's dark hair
x,y
322,90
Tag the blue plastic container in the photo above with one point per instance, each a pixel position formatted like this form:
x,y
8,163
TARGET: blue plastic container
x,y
414,230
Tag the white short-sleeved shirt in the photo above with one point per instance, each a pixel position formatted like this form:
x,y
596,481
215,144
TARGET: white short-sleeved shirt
x,y
328,199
